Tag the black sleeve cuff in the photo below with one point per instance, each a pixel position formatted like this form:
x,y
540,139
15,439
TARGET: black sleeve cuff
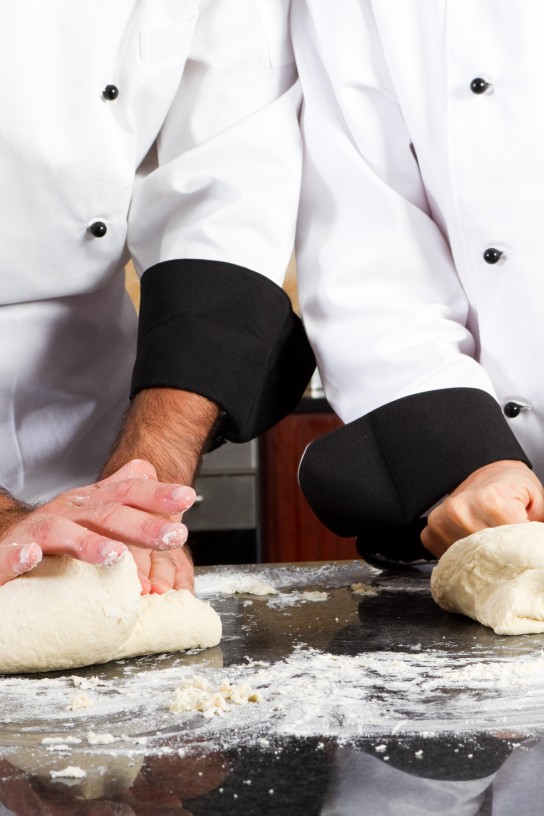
x,y
379,474
227,333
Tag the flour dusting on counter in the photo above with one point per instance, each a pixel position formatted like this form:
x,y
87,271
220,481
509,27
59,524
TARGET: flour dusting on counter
x,y
294,598
232,580
309,693
322,669
236,583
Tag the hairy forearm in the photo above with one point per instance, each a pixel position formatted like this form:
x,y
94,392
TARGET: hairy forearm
x,y
11,511
168,428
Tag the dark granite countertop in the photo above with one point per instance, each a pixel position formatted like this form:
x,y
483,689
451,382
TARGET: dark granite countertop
x,y
372,704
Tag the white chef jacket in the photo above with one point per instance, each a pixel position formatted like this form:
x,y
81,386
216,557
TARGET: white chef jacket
x,y
162,129
413,173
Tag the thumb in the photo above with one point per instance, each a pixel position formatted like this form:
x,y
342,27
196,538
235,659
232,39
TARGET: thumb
x,y
535,510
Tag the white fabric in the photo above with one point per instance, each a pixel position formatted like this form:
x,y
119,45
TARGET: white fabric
x,y
364,785
396,296
198,157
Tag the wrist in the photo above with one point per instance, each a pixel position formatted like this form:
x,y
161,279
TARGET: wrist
x,y
169,428
501,466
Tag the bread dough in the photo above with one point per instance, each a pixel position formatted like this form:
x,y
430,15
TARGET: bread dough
x,y
495,576
197,694
78,701
66,614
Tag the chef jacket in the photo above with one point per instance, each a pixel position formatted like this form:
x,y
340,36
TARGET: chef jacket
x,y
420,250
165,130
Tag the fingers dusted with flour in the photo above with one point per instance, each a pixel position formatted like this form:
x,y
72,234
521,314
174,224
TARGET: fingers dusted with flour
x,y
56,535
136,485
16,559
165,567
505,492
171,428
161,571
171,570
93,523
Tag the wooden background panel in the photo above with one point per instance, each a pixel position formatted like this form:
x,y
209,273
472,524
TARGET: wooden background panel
x,y
289,529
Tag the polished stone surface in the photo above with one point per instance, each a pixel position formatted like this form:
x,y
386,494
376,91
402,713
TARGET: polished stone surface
x,y
427,741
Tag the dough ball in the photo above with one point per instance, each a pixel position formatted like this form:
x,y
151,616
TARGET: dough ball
x,y
66,614
495,576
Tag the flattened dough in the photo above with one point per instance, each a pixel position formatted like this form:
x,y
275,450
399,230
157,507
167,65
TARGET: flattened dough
x,y
495,576
66,614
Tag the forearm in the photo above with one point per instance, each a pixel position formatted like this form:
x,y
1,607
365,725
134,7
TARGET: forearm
x,y
11,511
169,428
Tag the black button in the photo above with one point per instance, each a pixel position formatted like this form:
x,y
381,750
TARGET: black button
x,y
110,92
512,409
492,255
98,229
479,85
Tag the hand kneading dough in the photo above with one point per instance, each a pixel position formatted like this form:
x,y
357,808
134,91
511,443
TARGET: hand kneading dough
x,y
495,576
66,614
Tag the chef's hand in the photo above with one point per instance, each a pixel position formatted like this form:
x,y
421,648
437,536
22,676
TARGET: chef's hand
x,y
170,428
92,523
506,492
160,571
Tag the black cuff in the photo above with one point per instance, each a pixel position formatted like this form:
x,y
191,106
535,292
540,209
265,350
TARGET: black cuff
x,y
226,333
394,548
381,472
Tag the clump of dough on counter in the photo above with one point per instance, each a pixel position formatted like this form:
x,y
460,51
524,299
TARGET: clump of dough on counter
x,y
250,586
78,701
197,694
364,589
100,739
66,614
495,576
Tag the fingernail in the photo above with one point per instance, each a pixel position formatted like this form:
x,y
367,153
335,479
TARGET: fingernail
x,y
111,553
185,495
160,588
28,557
172,536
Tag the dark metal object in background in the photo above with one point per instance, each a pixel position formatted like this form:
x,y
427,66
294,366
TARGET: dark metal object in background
x,y
223,523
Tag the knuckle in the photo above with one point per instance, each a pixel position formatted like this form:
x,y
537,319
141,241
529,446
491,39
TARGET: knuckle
x,y
85,543
491,499
43,526
171,561
489,493
150,528
72,498
108,512
165,563
457,512
142,468
125,489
